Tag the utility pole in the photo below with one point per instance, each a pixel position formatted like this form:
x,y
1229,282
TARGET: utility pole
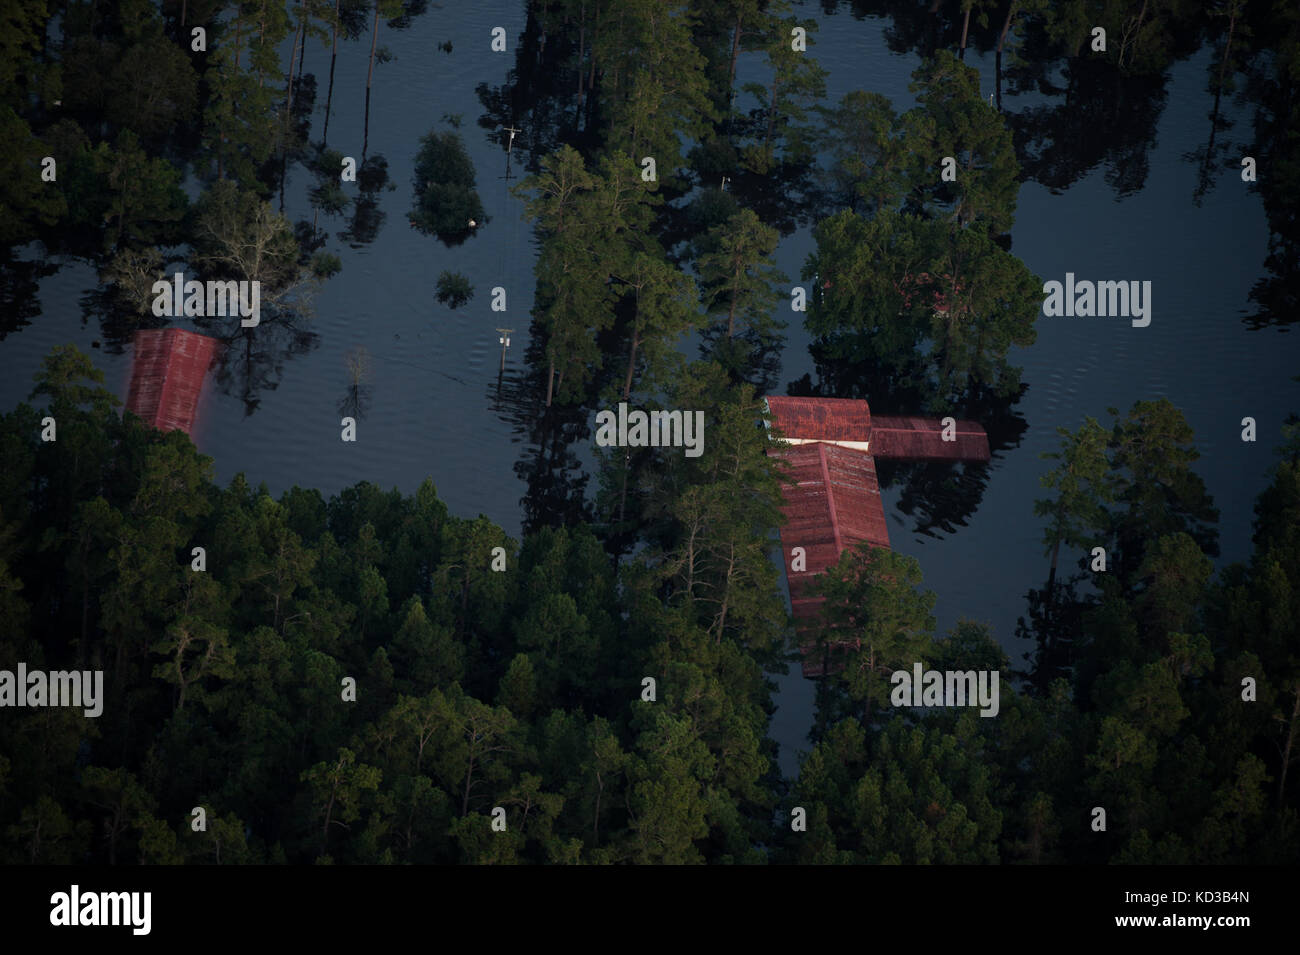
x,y
510,145
505,343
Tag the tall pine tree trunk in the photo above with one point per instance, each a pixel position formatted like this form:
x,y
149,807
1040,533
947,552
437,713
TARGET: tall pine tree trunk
x,y
293,63
1218,91
374,38
261,41
1006,25
1227,51
591,79
582,39
731,74
726,600
1051,574
288,105
1286,753
1002,39
329,96
469,778
302,49
731,311
1136,33
370,76
365,129
325,829
771,119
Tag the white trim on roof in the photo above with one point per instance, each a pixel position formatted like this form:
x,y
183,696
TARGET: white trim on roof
x,y
854,445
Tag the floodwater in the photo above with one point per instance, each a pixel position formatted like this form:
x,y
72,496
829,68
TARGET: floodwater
x,y
434,409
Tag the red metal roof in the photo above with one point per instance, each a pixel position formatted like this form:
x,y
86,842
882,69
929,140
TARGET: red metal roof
x,y
167,374
821,419
890,436
904,436
831,495
831,501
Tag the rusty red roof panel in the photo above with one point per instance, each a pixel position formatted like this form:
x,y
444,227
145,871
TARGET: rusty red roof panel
x,y
904,436
168,369
821,419
832,499
831,494
831,502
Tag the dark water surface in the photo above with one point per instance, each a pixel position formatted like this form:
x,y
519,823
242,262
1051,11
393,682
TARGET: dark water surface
x,y
434,410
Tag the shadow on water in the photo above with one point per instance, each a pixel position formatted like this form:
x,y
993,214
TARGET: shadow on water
x,y
1058,143
543,97
19,284
367,218
252,359
116,323
555,477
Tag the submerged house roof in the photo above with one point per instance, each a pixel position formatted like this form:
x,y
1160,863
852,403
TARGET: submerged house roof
x,y
831,501
167,374
900,436
821,419
831,497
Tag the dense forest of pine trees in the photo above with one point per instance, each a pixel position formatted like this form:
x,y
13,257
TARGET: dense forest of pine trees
x,y
521,688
